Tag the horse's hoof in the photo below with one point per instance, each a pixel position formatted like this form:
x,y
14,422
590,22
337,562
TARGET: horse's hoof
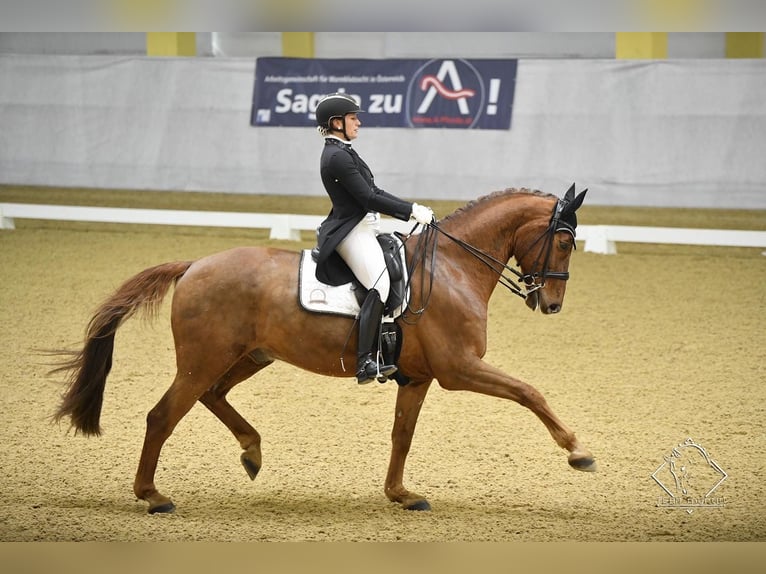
x,y
166,508
585,463
251,467
418,505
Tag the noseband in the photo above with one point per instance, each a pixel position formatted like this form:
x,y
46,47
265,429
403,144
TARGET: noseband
x,y
530,279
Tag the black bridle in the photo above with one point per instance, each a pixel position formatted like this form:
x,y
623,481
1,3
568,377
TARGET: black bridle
x,y
554,226
529,280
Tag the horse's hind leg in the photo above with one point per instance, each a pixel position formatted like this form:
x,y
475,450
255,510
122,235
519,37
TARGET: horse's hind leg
x,y
160,422
215,400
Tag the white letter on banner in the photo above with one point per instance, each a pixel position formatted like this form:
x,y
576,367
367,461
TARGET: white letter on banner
x,y
283,101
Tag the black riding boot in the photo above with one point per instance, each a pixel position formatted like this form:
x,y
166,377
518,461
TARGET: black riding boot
x,y
367,367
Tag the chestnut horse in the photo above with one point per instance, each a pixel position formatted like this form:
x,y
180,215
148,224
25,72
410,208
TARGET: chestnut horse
x,y
235,312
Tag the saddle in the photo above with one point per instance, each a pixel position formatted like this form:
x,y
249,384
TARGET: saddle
x,y
347,299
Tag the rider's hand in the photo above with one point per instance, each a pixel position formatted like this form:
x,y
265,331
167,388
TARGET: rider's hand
x,y
422,214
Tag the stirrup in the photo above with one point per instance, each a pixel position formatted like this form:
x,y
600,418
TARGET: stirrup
x,y
369,370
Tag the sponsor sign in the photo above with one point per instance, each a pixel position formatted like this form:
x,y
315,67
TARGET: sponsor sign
x,y
406,93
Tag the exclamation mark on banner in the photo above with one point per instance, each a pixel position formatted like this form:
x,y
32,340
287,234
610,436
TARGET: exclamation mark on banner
x,y
494,94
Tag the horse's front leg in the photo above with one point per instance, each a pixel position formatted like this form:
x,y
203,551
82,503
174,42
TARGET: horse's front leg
x,y
478,376
409,400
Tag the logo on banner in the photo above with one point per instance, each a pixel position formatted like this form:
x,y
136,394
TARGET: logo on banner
x,y
688,476
449,93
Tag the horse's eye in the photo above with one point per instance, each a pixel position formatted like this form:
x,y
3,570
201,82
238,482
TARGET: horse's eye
x,y
564,245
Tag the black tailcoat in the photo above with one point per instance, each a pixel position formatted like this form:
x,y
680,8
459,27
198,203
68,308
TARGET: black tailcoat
x,y
350,184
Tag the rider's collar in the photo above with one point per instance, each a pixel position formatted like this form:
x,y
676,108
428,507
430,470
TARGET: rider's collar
x,y
337,140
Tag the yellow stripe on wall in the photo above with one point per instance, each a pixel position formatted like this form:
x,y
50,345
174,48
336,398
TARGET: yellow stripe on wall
x,y
641,45
744,44
298,44
171,44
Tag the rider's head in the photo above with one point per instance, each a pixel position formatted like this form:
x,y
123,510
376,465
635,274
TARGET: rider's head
x,y
331,114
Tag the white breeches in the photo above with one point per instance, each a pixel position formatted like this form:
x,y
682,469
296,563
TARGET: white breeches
x,y
362,253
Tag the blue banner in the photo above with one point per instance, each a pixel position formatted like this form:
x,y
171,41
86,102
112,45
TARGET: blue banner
x,y
444,93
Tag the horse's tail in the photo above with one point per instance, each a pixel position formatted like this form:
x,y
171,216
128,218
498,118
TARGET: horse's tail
x,y
89,367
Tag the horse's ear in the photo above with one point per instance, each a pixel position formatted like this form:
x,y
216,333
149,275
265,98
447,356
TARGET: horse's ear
x,y
569,195
577,202
570,203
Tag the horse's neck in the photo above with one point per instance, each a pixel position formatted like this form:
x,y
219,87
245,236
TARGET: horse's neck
x,y
491,225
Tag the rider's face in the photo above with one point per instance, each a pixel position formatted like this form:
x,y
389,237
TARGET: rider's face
x,y
352,125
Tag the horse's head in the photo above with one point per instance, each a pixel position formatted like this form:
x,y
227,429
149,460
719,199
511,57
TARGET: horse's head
x,y
545,245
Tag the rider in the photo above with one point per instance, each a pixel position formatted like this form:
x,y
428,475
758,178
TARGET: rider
x,y
347,241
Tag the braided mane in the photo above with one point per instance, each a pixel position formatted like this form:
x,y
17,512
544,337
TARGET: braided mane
x,y
491,197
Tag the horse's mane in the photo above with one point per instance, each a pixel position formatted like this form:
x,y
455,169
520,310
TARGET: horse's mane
x,y
491,197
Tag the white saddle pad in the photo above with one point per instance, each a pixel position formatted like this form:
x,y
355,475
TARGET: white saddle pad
x,y
322,298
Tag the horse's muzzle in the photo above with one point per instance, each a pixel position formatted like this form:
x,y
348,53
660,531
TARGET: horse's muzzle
x,y
551,309
534,300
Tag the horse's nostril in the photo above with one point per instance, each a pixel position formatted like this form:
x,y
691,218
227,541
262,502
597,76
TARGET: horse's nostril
x,y
555,308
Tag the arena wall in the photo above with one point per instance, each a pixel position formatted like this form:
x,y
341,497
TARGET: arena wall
x,y
370,44
676,132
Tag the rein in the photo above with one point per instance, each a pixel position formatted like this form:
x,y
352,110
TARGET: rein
x,y
528,279
494,264
419,259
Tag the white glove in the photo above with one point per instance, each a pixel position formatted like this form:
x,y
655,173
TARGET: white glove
x,y
422,214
